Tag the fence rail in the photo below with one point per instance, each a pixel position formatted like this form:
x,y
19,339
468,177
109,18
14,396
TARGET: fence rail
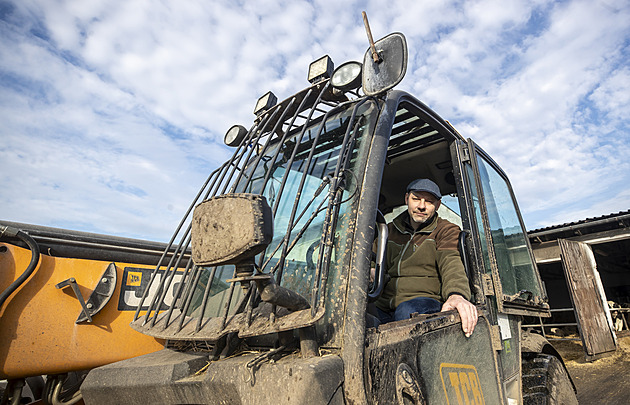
x,y
542,325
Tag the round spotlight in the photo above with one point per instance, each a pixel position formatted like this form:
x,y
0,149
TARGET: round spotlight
x,y
235,135
347,76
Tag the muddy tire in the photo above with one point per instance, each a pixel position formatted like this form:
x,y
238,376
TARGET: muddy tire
x,y
546,381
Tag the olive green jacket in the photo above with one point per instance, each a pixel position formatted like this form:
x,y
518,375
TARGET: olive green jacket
x,y
424,263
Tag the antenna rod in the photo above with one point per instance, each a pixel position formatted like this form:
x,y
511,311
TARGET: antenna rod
x,y
375,56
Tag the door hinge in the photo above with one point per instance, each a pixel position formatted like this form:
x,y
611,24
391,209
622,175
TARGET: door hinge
x,y
465,154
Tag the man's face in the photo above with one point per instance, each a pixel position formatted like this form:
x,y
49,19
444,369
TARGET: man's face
x,y
421,206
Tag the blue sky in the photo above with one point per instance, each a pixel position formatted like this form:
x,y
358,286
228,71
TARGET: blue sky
x,y
113,112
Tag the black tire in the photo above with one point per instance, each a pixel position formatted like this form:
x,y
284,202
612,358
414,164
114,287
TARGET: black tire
x,y
546,381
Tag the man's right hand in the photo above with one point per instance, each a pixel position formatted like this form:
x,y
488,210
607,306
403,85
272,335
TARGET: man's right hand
x,y
467,312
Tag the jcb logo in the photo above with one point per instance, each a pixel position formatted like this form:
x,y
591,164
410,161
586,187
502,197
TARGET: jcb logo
x,y
461,384
134,279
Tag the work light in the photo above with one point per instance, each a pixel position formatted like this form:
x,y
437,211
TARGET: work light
x,y
264,103
235,135
321,69
347,76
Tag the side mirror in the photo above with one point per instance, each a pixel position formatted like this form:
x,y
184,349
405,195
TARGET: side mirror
x,y
390,68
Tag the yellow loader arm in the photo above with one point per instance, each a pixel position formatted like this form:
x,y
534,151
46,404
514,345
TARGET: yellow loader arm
x,y
44,329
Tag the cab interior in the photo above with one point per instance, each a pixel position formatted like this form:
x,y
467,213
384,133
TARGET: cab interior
x,y
417,150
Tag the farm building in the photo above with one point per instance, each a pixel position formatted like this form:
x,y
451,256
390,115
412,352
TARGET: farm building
x,y
585,266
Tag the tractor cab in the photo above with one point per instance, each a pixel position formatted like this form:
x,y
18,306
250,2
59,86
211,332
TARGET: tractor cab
x,y
266,296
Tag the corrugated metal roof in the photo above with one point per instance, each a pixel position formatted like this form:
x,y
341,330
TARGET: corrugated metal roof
x,y
584,223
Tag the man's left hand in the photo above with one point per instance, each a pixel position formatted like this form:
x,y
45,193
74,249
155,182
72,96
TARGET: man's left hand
x,y
467,312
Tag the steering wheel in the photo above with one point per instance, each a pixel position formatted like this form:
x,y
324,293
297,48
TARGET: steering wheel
x,y
310,264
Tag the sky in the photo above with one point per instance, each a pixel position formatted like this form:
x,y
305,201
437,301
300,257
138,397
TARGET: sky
x,y
112,113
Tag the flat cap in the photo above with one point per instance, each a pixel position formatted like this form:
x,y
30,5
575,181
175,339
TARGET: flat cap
x,y
425,185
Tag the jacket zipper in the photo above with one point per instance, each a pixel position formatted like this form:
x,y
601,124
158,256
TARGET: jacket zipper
x,y
391,301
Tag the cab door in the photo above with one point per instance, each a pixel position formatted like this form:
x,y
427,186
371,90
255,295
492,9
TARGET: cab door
x,y
509,278
510,270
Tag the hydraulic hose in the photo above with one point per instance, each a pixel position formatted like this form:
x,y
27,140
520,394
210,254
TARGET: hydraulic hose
x,y
7,231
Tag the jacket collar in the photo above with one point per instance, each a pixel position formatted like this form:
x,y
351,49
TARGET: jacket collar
x,y
402,223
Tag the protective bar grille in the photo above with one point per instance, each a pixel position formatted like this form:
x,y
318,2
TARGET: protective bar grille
x,y
301,139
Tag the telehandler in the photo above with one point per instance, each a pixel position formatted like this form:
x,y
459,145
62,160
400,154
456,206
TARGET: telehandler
x,y
263,293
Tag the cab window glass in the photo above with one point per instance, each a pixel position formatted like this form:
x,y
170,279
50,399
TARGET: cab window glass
x,y
449,209
479,219
516,269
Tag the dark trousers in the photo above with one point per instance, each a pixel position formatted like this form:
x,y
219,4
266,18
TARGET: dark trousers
x,y
420,305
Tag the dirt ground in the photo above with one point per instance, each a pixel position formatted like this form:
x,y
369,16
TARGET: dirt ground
x,y
605,381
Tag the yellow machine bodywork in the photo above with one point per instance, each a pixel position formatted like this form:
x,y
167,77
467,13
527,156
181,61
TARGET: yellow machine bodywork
x,y
38,333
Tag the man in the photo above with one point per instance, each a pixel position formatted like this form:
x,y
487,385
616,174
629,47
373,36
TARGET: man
x,y
427,274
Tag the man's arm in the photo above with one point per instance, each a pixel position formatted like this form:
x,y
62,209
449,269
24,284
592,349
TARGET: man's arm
x,y
455,284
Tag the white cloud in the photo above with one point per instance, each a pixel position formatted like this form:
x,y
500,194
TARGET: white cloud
x,y
612,96
114,112
613,203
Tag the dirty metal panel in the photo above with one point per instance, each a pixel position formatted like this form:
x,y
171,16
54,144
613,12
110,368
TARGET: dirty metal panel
x,y
589,300
448,367
171,377
455,367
